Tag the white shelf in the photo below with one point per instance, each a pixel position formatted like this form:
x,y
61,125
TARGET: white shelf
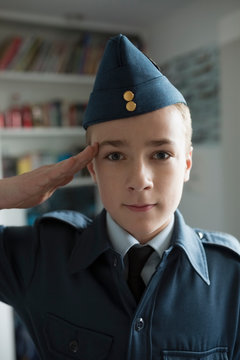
x,y
39,132
65,22
15,142
81,181
42,77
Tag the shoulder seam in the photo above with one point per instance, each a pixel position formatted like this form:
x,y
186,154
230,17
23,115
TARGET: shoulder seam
x,y
219,239
74,219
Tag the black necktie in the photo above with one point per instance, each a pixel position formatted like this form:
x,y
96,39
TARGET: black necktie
x,y
137,257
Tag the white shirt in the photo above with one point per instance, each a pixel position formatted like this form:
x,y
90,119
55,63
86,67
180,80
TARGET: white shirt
x,y
122,241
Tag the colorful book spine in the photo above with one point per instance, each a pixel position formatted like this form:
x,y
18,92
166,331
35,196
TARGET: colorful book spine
x,y
10,52
60,55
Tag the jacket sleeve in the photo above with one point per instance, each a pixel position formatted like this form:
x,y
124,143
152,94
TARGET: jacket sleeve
x,y
18,249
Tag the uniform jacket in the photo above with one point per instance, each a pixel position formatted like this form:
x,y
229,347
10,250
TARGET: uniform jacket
x,y
67,283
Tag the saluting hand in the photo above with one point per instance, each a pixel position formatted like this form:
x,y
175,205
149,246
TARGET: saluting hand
x,y
34,187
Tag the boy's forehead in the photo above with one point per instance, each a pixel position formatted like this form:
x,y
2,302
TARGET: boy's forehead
x,y
160,124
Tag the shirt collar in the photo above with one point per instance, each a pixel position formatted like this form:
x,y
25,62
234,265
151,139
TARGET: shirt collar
x,y
122,241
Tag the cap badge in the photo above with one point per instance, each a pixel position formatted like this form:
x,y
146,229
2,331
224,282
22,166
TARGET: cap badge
x,y
129,96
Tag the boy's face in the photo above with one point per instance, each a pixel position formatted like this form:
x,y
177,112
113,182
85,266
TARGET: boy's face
x,y
140,169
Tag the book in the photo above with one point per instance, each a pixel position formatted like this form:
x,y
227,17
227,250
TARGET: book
x,y
5,42
85,53
55,113
10,52
9,166
65,56
94,53
39,64
13,117
2,120
27,118
74,55
75,114
29,56
24,164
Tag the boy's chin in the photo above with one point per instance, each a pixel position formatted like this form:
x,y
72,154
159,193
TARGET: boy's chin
x,y
145,233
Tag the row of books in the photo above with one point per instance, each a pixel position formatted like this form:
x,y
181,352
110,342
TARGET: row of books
x,y
20,164
61,55
55,113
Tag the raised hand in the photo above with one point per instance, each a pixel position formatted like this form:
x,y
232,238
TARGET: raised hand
x,y
34,187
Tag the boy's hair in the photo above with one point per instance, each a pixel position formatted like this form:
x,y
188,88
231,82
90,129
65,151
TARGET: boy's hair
x,y
187,122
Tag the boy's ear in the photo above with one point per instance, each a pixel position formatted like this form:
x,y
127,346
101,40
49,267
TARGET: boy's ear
x,y
91,170
188,165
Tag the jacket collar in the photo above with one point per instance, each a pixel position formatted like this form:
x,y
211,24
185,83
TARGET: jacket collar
x,y
94,241
90,244
190,242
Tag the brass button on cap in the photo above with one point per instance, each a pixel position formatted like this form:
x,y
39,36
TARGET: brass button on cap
x,y
128,95
131,106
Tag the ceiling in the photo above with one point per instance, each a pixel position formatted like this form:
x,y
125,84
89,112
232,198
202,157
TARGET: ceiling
x,y
131,13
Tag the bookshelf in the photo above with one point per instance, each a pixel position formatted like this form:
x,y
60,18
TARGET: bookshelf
x,y
46,60
24,82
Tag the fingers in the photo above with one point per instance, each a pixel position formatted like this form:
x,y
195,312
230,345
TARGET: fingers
x,y
87,155
76,163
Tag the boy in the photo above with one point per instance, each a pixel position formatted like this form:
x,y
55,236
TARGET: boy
x,y
137,283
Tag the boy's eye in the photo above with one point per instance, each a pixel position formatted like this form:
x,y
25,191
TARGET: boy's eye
x,y
161,155
115,156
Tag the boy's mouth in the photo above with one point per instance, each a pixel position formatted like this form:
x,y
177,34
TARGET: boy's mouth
x,y
140,208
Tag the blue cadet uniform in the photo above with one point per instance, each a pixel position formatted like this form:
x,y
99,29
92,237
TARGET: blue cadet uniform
x,y
67,282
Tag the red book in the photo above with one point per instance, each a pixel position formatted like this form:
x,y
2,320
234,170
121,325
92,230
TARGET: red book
x,y
13,117
2,120
27,119
10,52
8,118
16,117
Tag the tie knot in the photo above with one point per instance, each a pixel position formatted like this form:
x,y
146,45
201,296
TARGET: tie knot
x,y
138,256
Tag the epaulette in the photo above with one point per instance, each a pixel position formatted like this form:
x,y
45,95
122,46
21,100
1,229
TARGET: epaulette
x,y
219,239
72,218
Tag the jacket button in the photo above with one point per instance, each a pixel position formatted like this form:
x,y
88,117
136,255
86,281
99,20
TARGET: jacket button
x,y
115,261
73,346
139,325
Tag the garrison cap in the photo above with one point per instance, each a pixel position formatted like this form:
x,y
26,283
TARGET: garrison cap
x,y
127,84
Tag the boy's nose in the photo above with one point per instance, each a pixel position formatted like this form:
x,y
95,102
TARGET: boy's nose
x,y
140,178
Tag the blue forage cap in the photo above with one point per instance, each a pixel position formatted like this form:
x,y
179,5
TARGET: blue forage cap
x,y
127,84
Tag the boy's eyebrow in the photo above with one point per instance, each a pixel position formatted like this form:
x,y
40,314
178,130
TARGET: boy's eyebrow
x,y
115,143
160,142
119,143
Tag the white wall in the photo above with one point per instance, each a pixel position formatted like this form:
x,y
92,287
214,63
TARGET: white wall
x,y
7,347
230,79
200,24
7,337
189,28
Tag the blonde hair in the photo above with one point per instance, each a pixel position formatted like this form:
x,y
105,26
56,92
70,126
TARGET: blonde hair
x,y
187,122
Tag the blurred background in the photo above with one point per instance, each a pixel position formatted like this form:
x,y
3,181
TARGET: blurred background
x,y
49,54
